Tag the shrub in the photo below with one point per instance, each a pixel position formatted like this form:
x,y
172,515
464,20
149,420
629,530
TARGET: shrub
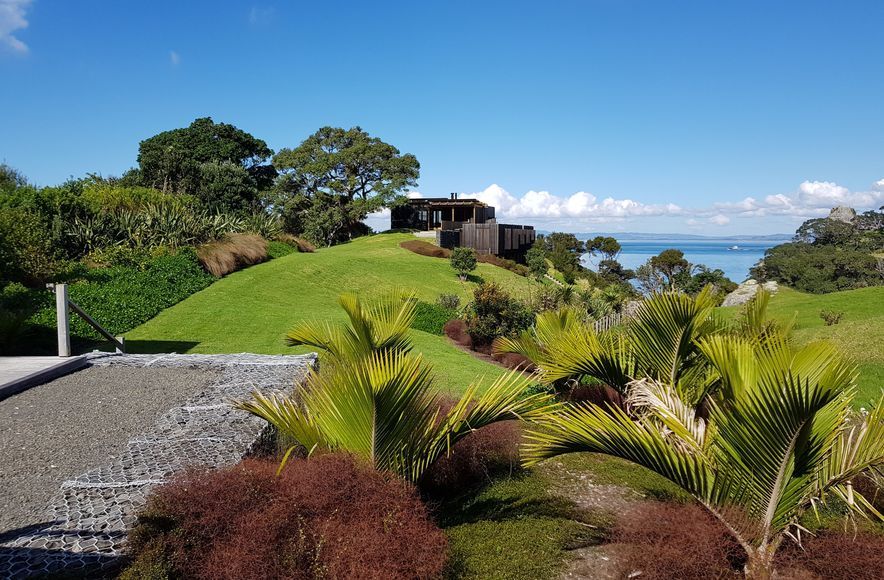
x,y
431,318
232,253
301,244
458,331
125,256
448,301
664,541
26,253
425,249
833,556
475,460
327,516
495,313
121,298
830,317
504,263
279,249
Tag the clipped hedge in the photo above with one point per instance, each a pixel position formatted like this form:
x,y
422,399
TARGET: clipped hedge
x,y
120,297
431,318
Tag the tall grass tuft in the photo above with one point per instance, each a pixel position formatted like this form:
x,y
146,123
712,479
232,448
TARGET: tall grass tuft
x,y
232,253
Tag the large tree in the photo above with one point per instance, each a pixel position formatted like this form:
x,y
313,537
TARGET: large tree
x,y
348,172
217,162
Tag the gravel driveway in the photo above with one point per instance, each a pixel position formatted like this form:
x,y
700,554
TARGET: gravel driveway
x,y
58,430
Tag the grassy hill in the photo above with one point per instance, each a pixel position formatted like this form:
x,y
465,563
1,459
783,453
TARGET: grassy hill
x,y
860,333
251,310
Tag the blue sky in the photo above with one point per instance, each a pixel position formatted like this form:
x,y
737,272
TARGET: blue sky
x,y
709,117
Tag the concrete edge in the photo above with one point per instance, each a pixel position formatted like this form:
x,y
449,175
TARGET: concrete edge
x,y
63,367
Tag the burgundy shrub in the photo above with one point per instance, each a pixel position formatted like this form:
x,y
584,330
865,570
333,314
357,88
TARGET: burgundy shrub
x,y
425,249
665,541
458,331
326,516
512,360
474,460
833,556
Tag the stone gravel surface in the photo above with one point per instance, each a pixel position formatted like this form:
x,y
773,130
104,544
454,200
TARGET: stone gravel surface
x,y
58,430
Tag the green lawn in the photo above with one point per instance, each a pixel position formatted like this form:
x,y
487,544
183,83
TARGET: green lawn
x,y
860,333
251,310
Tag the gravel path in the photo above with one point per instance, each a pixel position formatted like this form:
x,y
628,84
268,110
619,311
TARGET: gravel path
x,y
63,428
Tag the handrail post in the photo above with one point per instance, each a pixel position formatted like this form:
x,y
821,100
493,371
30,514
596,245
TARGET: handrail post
x,y
64,323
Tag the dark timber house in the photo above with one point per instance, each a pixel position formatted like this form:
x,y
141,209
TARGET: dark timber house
x,y
464,222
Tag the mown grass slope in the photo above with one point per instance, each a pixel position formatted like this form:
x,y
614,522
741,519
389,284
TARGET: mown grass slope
x,y
860,333
251,310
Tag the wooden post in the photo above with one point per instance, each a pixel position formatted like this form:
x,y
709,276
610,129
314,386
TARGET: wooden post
x,y
62,313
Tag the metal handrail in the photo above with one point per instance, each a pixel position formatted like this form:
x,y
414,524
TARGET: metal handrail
x,y
62,306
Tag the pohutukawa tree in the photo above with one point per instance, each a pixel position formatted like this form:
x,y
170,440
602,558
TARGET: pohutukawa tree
x,y
221,164
343,175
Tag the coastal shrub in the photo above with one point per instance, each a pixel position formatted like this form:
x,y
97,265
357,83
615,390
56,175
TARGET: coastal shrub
x,y
669,540
485,453
431,318
277,249
425,249
328,516
458,332
493,312
463,261
301,244
120,298
833,556
26,253
448,301
232,253
831,317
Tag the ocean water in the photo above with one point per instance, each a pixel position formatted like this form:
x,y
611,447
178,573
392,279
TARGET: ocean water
x,y
733,257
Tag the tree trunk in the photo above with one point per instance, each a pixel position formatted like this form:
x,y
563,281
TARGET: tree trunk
x,y
759,565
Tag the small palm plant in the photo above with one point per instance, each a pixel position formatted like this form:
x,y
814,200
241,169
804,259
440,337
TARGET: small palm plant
x,y
375,400
776,435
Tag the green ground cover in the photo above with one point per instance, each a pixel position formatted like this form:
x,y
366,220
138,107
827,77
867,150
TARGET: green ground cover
x,y
251,310
860,333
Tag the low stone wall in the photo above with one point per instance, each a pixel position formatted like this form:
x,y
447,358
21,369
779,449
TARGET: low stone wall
x,y
84,531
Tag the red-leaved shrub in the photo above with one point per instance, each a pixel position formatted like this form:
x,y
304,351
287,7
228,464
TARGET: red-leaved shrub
x,y
666,541
458,331
474,460
833,556
425,249
327,516
512,360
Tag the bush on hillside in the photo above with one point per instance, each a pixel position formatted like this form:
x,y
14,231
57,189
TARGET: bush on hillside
x,y
232,253
463,261
818,269
277,249
448,301
664,541
475,460
26,252
119,298
458,331
431,318
494,313
833,556
300,244
324,517
425,249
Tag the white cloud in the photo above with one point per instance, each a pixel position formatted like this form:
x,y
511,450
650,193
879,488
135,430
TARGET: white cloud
x,y
581,205
12,18
261,14
720,219
174,58
811,199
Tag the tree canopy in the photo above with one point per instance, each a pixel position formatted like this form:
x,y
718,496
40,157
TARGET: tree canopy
x,y
343,173
206,159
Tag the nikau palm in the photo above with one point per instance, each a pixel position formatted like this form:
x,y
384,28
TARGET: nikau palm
x,y
375,400
778,436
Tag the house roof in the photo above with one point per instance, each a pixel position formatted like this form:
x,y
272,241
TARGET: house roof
x,y
446,202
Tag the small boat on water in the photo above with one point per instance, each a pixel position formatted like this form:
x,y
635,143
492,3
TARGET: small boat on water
x,y
734,248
